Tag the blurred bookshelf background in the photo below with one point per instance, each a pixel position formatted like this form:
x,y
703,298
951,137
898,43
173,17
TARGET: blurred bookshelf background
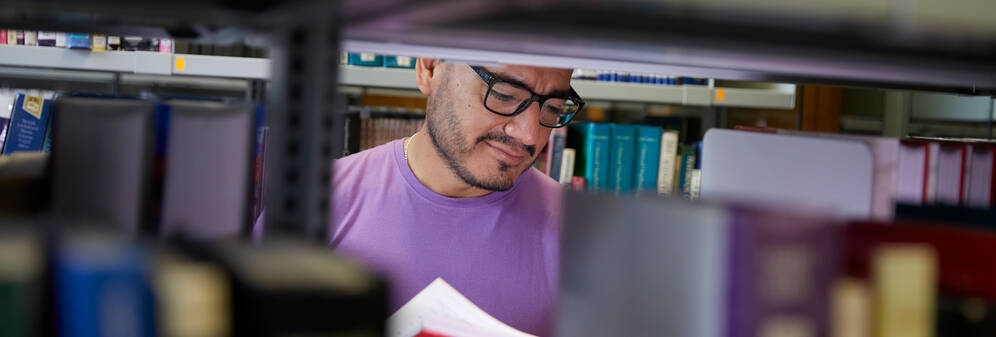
x,y
766,187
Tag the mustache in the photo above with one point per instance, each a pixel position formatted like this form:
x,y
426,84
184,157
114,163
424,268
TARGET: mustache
x,y
507,140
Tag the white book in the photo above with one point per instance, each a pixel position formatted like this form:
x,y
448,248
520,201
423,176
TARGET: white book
x,y
567,166
933,155
979,177
439,308
665,171
885,156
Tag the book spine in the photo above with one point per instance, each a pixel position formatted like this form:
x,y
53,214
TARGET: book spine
x,y
30,38
597,156
11,36
46,39
554,159
621,151
3,36
851,309
780,272
962,176
20,37
113,42
905,283
567,167
60,40
29,121
665,170
992,179
648,152
78,41
99,42
930,172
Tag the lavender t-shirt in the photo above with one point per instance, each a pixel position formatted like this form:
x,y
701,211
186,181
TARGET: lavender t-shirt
x,y
499,250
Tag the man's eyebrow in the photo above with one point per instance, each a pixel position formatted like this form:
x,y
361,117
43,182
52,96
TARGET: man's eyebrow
x,y
512,80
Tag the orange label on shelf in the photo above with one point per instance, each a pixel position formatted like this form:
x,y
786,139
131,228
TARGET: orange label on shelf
x,y
720,94
180,63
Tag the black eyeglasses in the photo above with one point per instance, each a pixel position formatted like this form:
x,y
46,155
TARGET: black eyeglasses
x,y
509,99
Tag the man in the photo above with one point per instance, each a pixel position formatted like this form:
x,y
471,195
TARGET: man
x,y
459,199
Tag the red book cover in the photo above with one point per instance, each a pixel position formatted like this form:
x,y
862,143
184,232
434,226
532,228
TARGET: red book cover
x,y
3,36
964,255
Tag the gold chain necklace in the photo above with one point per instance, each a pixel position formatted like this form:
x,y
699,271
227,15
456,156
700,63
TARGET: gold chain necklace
x,y
407,142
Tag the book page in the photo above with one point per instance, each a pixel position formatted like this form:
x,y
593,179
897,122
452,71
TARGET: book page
x,y
438,301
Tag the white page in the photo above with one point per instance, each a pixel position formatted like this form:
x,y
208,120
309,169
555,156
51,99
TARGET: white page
x,y
437,301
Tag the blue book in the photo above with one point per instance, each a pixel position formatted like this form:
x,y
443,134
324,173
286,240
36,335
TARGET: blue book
x,y
29,120
597,141
621,154
78,41
101,287
648,155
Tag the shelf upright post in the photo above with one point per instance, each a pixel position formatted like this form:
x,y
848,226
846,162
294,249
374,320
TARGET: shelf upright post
x,y
300,116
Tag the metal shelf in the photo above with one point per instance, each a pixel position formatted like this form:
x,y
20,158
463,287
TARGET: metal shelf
x,y
75,59
214,67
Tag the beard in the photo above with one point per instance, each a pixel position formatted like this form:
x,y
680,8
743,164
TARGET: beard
x,y
443,126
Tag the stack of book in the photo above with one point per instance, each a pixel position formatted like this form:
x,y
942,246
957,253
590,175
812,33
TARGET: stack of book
x,y
169,167
623,159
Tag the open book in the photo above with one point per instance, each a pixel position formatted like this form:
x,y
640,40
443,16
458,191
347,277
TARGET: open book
x,y
439,310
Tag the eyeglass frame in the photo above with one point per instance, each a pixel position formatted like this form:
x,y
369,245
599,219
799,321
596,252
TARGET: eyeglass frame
x,y
491,80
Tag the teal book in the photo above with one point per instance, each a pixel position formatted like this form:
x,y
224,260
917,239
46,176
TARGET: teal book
x,y
576,139
621,154
648,155
598,138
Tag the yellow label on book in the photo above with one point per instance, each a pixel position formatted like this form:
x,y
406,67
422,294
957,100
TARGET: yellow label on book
x,y
33,105
720,94
180,63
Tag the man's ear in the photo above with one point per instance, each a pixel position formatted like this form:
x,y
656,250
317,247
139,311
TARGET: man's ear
x,y
426,74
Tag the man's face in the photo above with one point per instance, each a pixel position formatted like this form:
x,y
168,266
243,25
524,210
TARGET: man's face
x,y
484,149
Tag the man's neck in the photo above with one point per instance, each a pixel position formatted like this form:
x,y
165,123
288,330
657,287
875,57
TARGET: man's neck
x,y
431,169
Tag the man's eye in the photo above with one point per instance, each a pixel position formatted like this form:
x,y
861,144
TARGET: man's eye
x,y
502,97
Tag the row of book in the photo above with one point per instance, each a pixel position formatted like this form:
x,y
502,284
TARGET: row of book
x,y
645,78
710,269
367,127
152,165
884,171
623,159
91,284
377,60
95,42
377,131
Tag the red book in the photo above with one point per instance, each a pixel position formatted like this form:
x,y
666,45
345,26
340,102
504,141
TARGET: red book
x,y
964,256
3,36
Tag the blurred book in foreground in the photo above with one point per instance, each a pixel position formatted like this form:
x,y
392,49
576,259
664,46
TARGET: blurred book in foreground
x,y
440,310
